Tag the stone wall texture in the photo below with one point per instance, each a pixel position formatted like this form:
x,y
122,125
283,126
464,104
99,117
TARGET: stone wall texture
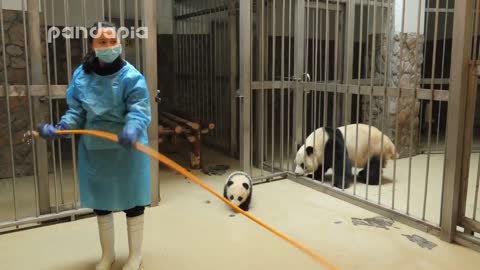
x,y
15,57
405,52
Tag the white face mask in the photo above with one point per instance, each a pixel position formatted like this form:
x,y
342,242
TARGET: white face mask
x,y
108,55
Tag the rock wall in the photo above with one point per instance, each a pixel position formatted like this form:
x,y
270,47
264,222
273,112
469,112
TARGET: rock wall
x,y
404,71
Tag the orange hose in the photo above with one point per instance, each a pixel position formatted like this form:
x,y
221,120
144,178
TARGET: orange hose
x,y
172,165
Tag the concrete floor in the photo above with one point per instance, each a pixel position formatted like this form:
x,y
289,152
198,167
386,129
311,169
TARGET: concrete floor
x,y
191,229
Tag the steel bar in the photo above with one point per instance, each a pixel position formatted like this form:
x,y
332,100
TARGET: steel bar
x,y
298,73
272,117
176,55
432,72
263,39
348,72
122,23
372,75
137,41
442,72
33,56
399,95
212,65
359,76
410,158
326,78
202,88
470,110
216,71
456,113
289,142
110,10
282,97
430,108
9,116
202,12
266,92
84,23
306,77
232,24
385,83
68,49
149,17
378,91
245,83
226,109
315,64
103,10
335,78
50,107
54,93
47,217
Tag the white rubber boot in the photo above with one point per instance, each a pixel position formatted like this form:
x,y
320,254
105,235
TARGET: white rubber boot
x,y
135,241
107,241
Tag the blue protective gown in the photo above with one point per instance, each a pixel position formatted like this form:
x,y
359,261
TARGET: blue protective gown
x,y
111,177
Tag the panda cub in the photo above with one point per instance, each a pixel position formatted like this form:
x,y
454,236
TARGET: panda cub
x,y
309,160
316,156
238,189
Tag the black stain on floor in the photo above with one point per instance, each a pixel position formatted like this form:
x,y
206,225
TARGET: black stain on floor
x,y
207,201
231,215
422,242
338,222
379,222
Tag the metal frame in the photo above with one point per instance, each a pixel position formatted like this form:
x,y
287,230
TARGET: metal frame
x,y
460,113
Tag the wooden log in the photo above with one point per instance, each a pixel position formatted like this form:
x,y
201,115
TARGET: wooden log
x,y
195,155
164,131
193,125
174,126
190,138
210,126
203,123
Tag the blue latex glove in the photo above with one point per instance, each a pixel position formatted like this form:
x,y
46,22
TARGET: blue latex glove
x,y
129,136
48,131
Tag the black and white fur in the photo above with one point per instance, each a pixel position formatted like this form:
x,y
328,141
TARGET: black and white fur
x,y
368,150
238,189
322,146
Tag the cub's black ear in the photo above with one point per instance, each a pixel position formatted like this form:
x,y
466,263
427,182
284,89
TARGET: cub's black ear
x,y
229,183
246,186
309,150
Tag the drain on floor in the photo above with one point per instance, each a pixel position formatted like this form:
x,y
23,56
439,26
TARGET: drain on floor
x,y
422,242
379,222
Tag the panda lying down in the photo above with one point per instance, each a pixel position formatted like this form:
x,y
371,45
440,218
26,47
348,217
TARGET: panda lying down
x,y
310,156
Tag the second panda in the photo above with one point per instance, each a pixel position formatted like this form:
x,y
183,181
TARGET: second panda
x,y
309,160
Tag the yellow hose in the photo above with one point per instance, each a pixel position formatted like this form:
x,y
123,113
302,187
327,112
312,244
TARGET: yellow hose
x,y
174,166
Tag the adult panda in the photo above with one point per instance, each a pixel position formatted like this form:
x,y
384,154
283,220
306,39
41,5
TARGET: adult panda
x,y
309,160
316,156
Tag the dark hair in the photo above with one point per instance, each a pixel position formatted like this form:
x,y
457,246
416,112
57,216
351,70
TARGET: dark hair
x,y
90,61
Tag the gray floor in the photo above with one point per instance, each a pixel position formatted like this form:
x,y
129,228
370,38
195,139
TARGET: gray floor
x,y
191,229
